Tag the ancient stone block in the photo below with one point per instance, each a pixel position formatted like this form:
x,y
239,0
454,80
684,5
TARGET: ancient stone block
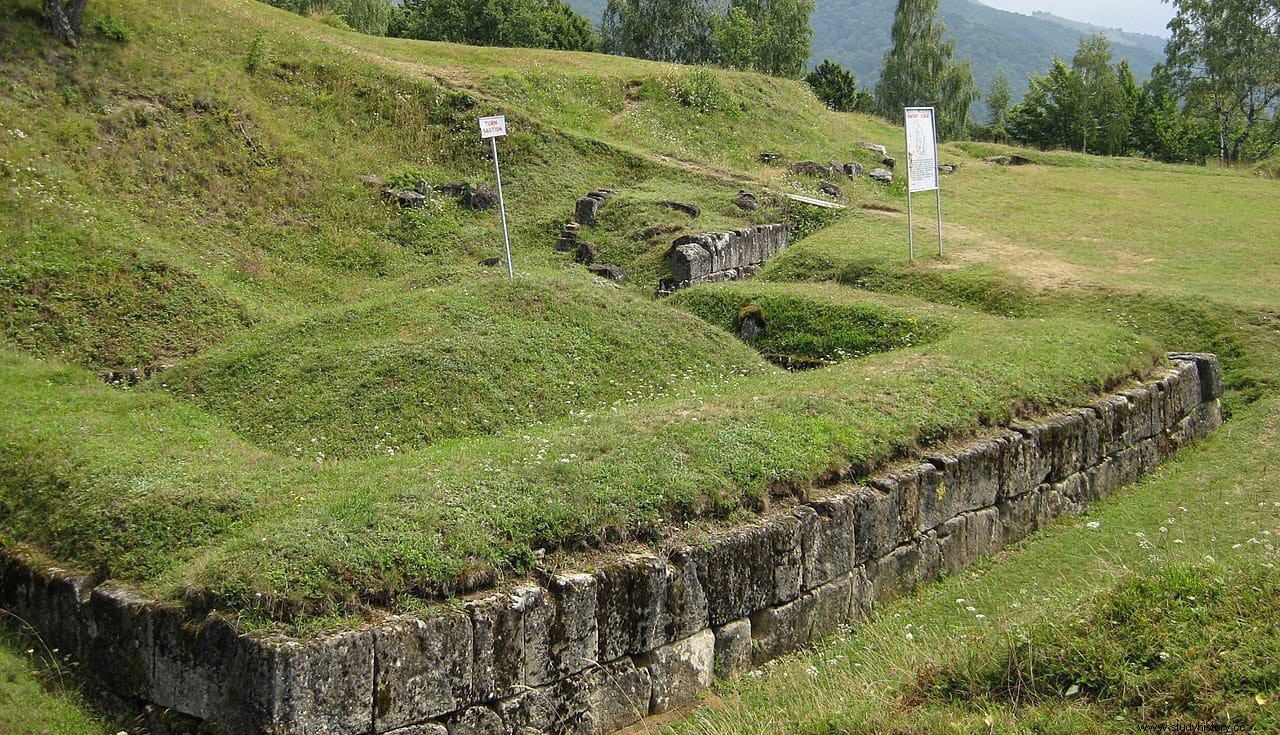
x,y
573,640
1048,506
954,545
55,606
679,671
895,573
324,686
593,702
985,532
778,630
1061,440
116,640
497,629
425,668
903,489
788,553
827,539
739,574
430,728
1141,423
876,523
587,209
733,647
686,605
1021,469
195,663
972,475
688,262
1017,517
1208,373
630,597
1184,392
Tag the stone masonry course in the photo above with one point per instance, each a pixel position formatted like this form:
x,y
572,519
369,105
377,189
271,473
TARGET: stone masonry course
x,y
594,652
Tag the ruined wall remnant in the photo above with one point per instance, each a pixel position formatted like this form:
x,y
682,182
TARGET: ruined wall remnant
x,y
721,256
596,652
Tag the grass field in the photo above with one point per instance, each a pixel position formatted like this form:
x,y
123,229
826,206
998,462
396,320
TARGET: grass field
x,y
339,411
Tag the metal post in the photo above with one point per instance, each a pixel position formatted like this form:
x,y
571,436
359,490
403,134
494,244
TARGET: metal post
x,y
911,235
937,190
502,207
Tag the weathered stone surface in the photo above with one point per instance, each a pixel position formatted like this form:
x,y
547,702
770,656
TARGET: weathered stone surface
x,y
325,686
1061,439
607,270
938,492
831,190
1017,517
876,519
827,540
889,162
788,553
587,210
769,156
903,489
882,175
686,604
875,148
733,647
809,168
679,671
1184,392
630,600
116,640
425,668
475,721
593,702
739,574
683,207
410,199
430,728
1047,507
194,664
1036,461
853,169
955,545
573,641
497,629
586,252
895,573
1208,371
778,630
985,533
746,201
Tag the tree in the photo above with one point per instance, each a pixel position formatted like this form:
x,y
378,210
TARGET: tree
x,y
838,89
513,23
1225,57
918,69
998,97
366,16
660,30
66,18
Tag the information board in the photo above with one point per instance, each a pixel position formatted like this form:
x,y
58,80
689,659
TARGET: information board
x,y
922,150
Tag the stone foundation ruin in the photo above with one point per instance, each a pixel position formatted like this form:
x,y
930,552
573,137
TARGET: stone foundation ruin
x,y
593,652
721,256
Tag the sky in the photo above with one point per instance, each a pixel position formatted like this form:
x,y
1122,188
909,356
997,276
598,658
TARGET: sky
x,y
1140,16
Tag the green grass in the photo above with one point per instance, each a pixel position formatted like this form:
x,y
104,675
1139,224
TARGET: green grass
x,y
354,413
37,689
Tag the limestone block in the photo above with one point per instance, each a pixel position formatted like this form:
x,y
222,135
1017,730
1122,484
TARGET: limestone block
x,y
1101,479
876,518
195,663
739,574
1198,424
827,539
1208,373
593,702
778,630
1075,492
985,532
1017,517
574,641
930,557
679,671
1141,416
1091,440
955,545
688,261
1048,506
537,614
630,600
1114,423
976,475
686,604
324,686
788,552
1021,469
1184,392
497,630
895,573
1062,440
425,668
56,602
587,209
937,497
733,647
475,721
116,640
903,488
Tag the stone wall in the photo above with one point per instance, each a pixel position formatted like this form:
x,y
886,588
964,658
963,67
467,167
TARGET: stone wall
x,y
722,256
596,652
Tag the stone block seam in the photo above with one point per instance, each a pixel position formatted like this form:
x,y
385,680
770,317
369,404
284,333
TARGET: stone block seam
x,y
596,652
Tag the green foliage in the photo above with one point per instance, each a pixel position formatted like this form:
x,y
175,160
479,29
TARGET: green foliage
x,y
837,88
918,69
112,28
257,53
366,16
700,89
511,23
1089,106
1180,645
660,30
1225,57
998,96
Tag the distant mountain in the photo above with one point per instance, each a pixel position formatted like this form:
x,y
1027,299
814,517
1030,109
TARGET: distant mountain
x,y
855,34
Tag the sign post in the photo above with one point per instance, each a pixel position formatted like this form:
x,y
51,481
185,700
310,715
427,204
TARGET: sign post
x,y
493,128
922,165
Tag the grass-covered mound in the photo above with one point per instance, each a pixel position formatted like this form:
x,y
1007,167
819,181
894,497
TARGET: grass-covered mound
x,y
381,377
811,325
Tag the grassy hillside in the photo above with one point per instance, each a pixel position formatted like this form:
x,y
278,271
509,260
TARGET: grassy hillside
x,y
316,402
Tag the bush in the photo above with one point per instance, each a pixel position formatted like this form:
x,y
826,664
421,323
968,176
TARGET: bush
x,y
701,90
113,29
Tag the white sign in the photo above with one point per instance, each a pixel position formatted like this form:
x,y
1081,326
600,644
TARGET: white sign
x,y
493,127
922,150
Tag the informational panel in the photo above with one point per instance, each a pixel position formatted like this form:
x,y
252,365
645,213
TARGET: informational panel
x,y
922,150
493,127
